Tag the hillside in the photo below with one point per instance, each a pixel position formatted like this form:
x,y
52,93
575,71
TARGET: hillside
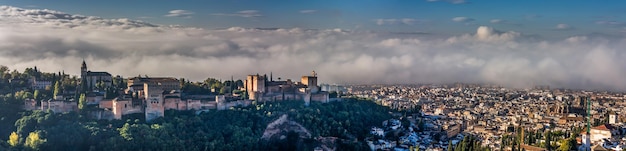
x,y
331,125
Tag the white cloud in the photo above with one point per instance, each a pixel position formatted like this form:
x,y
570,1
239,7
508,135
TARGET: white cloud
x,y
563,27
496,21
576,39
55,41
392,21
308,11
462,19
610,23
243,13
503,22
486,34
179,13
620,26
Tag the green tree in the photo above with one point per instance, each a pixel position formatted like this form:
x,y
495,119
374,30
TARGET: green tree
x,y
240,128
567,144
223,90
212,82
548,138
332,94
83,85
3,69
502,142
109,93
23,95
9,113
57,88
118,82
34,141
82,101
239,84
100,85
36,95
14,139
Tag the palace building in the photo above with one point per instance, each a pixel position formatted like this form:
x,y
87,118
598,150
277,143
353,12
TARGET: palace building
x,y
260,88
92,78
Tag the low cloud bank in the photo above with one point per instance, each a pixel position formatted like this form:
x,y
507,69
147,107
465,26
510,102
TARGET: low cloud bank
x,y
55,41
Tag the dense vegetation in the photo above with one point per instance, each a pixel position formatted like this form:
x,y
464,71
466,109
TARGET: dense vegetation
x,y
15,88
210,86
234,129
469,143
543,138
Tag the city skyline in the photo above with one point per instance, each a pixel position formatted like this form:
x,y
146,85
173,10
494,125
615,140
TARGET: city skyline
x,y
373,42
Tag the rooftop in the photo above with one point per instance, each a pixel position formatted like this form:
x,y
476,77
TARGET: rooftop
x,y
153,79
92,73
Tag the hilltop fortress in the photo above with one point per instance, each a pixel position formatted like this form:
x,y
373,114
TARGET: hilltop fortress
x,y
262,89
152,96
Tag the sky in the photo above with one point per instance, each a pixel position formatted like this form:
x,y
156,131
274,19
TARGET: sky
x,y
564,44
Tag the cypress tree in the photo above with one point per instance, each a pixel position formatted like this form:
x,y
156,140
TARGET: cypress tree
x,y
82,102
57,88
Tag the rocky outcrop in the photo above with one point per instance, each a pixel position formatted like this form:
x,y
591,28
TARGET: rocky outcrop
x,y
284,134
281,127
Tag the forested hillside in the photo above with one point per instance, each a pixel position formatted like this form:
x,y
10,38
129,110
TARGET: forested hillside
x,y
234,129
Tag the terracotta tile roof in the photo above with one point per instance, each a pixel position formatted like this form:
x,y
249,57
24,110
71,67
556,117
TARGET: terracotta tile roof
x,y
604,127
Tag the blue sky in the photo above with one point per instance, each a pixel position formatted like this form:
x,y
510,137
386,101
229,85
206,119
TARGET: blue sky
x,y
527,16
564,44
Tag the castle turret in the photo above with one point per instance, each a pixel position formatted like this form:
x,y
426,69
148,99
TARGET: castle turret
x,y
311,82
154,101
255,86
83,69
